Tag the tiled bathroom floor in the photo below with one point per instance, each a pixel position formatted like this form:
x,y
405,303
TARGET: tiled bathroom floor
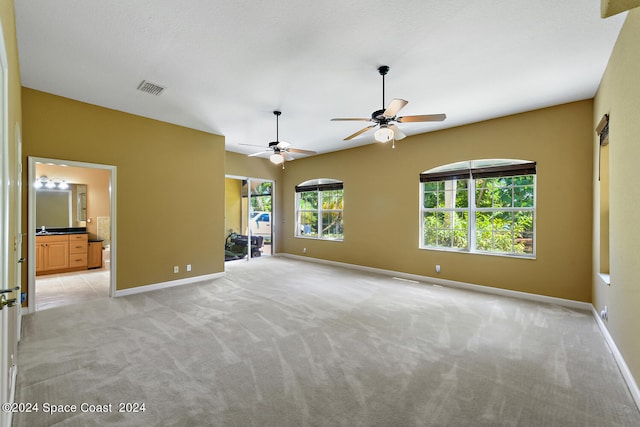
x,y
55,290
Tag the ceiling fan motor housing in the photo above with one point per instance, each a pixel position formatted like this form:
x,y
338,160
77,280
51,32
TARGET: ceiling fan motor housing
x,y
378,116
274,146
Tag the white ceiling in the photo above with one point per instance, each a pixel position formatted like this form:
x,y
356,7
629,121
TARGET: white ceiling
x,y
227,65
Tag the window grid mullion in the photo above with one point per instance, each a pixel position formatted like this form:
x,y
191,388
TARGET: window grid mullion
x,y
320,212
471,209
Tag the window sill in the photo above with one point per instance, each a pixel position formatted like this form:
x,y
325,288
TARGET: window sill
x,y
460,251
319,238
605,278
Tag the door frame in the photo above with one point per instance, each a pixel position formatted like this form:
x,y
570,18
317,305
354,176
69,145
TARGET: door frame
x,y
18,237
31,231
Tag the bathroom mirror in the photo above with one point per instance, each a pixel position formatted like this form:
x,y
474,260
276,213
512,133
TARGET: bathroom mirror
x,y
56,208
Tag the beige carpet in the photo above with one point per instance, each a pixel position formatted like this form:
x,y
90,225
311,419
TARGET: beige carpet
x,y
279,342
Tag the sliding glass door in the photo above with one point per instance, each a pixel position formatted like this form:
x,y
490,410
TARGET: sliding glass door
x,y
248,218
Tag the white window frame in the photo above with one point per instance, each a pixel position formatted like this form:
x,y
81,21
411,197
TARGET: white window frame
x,y
472,209
318,183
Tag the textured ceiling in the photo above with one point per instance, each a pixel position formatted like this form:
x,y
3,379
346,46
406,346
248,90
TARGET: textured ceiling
x,y
227,65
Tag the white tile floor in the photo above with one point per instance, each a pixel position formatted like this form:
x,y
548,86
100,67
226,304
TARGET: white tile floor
x,y
55,290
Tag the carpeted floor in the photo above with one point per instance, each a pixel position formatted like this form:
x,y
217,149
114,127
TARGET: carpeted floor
x,y
281,342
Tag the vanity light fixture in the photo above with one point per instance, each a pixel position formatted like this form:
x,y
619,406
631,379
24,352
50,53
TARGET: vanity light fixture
x,y
46,182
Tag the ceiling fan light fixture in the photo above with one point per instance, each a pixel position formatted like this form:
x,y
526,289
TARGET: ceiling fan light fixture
x,y
384,134
276,158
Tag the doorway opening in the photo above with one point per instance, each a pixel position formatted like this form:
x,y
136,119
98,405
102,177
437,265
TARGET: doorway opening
x,y
249,218
71,234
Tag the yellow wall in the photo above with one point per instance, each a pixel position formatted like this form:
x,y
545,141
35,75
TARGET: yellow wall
x,y
252,167
619,95
233,206
381,213
170,183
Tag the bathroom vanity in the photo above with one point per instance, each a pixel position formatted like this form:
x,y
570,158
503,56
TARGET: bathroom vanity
x,y
64,250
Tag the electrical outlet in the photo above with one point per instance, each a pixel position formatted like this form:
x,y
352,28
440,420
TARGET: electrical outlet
x,y
604,314
437,268
304,250
188,267
176,269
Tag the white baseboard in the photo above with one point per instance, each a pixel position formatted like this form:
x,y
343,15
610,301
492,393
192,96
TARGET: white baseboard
x,y
170,284
624,369
452,283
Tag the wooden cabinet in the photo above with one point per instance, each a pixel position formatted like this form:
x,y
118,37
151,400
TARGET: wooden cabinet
x,y
39,256
60,253
78,251
95,255
52,253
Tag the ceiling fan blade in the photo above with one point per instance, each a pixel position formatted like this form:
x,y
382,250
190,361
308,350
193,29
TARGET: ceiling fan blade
x,y
397,133
424,118
394,107
361,131
350,119
252,145
258,153
298,151
288,157
283,144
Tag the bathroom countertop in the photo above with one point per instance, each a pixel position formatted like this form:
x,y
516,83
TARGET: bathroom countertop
x,y
61,230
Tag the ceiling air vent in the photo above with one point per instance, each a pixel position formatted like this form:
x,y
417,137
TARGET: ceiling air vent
x,y
151,88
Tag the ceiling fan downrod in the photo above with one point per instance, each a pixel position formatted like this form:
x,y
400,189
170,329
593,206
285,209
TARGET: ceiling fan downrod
x,y
383,70
277,113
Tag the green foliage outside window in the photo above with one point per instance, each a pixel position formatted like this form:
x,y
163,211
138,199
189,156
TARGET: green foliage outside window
x,y
320,214
446,223
503,214
261,197
504,192
504,232
446,229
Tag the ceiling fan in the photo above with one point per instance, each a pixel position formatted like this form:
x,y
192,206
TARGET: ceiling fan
x,y
280,149
387,117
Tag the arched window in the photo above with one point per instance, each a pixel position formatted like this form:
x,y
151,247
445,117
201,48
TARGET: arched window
x,y
319,205
482,206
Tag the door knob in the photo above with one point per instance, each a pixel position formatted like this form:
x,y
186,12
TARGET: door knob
x,y
8,302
